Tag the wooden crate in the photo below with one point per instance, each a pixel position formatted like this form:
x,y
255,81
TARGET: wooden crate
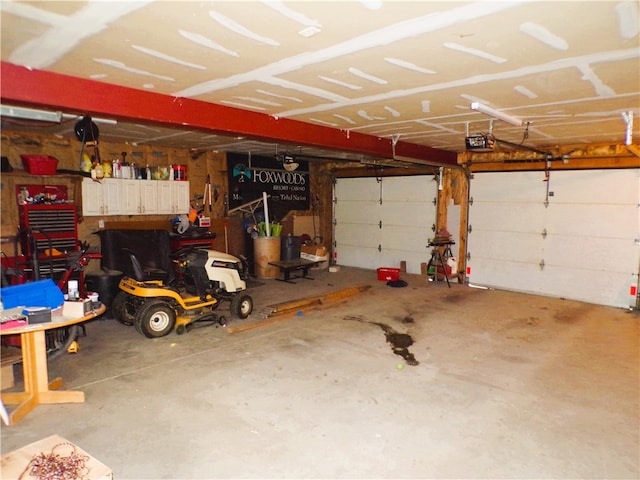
x,y
13,464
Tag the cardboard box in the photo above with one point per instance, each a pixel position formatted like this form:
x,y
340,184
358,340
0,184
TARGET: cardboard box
x,y
78,309
315,250
14,463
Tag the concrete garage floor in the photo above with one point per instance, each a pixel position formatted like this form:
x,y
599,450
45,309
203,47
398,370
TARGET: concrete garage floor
x,y
507,386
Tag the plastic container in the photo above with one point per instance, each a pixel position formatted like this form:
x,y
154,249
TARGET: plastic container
x,y
388,274
105,283
41,293
289,248
40,164
180,172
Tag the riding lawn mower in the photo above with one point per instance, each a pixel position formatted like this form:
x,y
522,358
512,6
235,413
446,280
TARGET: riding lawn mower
x,y
156,302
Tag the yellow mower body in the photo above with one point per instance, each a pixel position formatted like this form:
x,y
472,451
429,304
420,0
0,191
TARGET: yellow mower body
x,y
155,288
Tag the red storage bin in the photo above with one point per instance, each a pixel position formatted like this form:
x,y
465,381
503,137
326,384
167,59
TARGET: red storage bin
x,y
40,164
388,274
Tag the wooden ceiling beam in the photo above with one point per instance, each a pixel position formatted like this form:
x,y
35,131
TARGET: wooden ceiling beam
x,y
568,157
22,86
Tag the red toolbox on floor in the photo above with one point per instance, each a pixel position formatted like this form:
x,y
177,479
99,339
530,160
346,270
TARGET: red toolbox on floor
x,y
388,274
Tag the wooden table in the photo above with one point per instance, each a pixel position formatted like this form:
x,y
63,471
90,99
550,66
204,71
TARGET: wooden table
x,y
288,266
37,388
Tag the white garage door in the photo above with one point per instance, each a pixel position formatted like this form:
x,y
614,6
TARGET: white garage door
x,y
584,245
381,222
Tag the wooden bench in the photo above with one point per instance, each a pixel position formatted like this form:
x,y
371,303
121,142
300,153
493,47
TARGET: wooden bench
x,y
288,266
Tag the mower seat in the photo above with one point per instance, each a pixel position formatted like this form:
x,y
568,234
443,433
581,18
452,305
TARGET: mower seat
x,y
144,274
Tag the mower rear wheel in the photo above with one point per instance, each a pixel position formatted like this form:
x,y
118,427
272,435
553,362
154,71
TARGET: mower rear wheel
x,y
123,308
241,306
156,318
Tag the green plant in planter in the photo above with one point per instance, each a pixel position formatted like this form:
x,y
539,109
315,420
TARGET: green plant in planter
x,y
275,229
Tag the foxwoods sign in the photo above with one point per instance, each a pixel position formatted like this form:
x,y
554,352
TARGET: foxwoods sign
x,y
249,177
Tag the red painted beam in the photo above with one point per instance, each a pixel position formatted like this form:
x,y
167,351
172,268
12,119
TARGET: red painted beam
x,y
37,88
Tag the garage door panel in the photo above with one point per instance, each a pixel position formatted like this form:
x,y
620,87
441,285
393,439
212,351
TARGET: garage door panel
x,y
521,277
522,187
588,253
512,246
354,235
603,186
358,256
353,213
610,221
612,288
519,217
411,189
357,189
405,238
405,213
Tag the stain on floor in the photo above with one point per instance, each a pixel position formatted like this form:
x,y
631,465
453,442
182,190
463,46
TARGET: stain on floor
x,y
400,342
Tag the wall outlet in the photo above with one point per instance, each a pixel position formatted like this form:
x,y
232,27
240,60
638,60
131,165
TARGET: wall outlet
x,y
101,223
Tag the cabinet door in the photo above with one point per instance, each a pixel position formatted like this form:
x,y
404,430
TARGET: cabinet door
x,y
180,197
164,196
148,197
92,204
130,197
112,196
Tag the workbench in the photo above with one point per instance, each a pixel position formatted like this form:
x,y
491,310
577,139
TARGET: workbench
x,y
288,266
37,387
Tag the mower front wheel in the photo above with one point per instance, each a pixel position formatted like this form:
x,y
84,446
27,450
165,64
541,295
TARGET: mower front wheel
x,y
156,318
241,306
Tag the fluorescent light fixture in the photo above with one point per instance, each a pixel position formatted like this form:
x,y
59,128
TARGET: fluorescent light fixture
x,y
30,114
492,112
309,31
105,121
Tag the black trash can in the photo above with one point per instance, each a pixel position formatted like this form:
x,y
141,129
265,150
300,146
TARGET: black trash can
x,y
105,283
289,248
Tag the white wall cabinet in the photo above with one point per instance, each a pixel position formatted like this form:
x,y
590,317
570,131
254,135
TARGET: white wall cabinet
x,y
113,196
164,196
173,197
92,203
180,197
101,198
148,197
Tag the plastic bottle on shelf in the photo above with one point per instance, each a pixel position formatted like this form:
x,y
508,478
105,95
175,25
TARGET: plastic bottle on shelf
x,y
125,172
99,171
171,172
116,169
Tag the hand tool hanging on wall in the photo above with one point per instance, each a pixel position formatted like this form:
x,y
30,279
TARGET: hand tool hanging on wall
x,y
207,194
210,196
